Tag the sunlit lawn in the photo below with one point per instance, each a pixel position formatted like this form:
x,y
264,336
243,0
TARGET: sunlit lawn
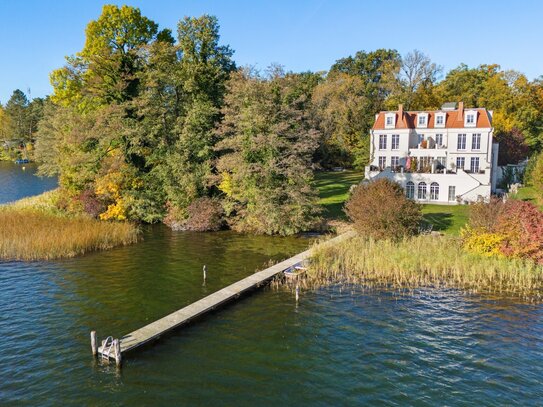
x,y
334,187
448,219
334,190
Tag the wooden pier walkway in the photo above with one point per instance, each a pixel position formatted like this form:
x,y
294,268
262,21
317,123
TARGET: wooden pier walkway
x,y
114,349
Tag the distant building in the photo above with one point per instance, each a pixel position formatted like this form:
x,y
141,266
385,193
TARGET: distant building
x,y
445,156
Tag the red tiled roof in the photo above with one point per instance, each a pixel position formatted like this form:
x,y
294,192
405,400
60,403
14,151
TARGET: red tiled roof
x,y
452,120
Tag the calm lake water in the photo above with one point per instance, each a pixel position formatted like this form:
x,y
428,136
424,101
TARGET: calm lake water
x,y
338,347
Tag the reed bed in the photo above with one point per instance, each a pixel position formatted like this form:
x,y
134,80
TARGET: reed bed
x,y
34,234
422,261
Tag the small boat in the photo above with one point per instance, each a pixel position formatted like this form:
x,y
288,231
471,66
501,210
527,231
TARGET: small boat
x,y
294,271
22,161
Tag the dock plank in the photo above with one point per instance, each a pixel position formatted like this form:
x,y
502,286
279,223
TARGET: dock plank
x,y
180,317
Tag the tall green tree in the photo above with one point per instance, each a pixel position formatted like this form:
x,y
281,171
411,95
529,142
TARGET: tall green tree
x,y
17,109
266,148
180,108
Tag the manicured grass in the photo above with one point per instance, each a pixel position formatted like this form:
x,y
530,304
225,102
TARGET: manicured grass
x,y
448,219
526,194
333,190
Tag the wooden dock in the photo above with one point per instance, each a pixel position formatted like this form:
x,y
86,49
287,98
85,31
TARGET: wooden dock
x,y
112,348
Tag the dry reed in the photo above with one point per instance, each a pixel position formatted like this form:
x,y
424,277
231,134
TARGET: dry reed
x,y
422,261
30,234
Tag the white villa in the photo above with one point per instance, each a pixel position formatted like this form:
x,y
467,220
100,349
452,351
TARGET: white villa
x,y
445,156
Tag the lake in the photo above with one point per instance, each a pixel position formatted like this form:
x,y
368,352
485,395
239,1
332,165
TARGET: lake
x,y
339,346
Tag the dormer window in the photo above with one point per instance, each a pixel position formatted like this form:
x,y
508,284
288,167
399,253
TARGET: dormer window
x,y
470,118
390,120
440,120
422,120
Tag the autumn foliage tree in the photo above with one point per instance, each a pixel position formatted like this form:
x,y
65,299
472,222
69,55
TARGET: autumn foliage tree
x,y
265,151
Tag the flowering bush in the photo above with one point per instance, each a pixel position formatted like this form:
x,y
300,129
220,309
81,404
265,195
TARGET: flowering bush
x,y
481,242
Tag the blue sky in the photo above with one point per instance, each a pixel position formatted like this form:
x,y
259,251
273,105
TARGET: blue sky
x,y
299,34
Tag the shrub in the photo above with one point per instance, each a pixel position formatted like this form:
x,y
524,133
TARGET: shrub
x,y
535,176
484,243
522,224
379,209
484,215
512,229
202,215
205,214
91,204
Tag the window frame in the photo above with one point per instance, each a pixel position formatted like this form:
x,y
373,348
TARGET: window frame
x,y
441,137
424,189
384,159
395,138
382,141
474,137
410,190
434,191
463,159
392,159
453,189
461,141
475,160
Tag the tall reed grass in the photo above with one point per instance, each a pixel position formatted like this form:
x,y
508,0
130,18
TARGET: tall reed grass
x,y
33,234
417,262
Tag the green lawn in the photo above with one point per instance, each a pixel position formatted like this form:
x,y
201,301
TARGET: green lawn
x,y
525,194
334,187
333,190
448,219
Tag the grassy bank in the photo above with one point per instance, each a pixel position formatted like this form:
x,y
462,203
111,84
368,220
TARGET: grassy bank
x,y
333,190
33,229
448,219
420,261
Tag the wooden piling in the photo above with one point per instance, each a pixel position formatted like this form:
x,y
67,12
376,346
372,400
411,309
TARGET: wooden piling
x,y
118,354
297,293
94,343
205,272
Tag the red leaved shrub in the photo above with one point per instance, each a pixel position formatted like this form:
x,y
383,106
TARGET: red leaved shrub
x,y
522,225
205,214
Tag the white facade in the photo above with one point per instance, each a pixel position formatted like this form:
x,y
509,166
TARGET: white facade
x,y
445,156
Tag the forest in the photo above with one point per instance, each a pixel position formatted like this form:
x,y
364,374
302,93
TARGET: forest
x,y
150,125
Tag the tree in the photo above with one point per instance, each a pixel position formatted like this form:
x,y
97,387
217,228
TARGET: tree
x,y
415,81
265,155
343,113
5,125
346,102
17,111
104,72
178,111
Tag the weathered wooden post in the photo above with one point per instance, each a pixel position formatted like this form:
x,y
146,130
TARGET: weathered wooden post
x,y
94,345
118,357
205,272
297,293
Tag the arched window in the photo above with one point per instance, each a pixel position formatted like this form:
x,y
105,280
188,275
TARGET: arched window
x,y
434,191
422,191
410,190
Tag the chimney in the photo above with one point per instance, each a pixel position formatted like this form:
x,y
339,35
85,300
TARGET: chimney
x,y
460,111
400,113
